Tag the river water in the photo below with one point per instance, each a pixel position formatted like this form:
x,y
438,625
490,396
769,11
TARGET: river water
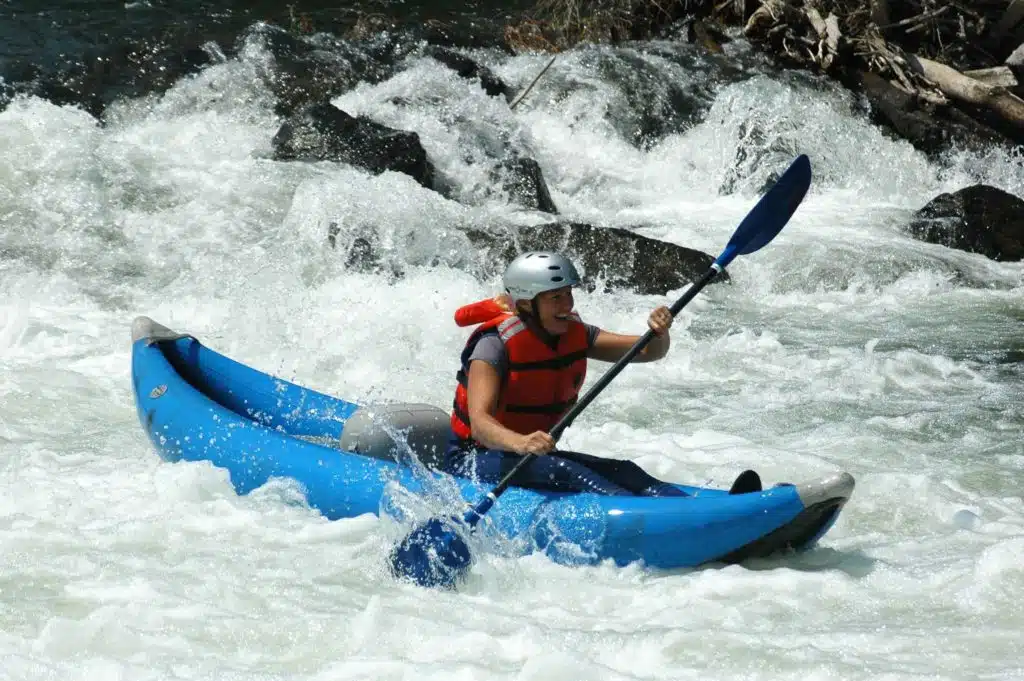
x,y
843,345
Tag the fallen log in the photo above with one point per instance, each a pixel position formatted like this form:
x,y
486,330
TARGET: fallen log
x,y
1016,57
915,22
832,36
828,37
817,23
890,61
997,76
952,83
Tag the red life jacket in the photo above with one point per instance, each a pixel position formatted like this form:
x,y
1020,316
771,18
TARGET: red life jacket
x,y
543,382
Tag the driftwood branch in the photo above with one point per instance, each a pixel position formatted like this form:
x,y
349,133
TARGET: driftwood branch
x,y
817,23
963,88
842,38
832,36
997,76
919,19
529,87
1016,57
828,37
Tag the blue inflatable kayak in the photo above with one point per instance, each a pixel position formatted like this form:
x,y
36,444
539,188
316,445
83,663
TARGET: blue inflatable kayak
x,y
352,459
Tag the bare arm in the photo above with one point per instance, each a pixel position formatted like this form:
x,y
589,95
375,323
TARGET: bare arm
x,y
610,347
484,385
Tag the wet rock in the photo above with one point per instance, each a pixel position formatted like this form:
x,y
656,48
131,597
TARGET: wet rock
x,y
28,79
300,73
361,250
655,104
979,219
323,132
362,256
470,69
522,179
608,257
759,158
706,34
318,67
125,70
652,102
613,257
371,245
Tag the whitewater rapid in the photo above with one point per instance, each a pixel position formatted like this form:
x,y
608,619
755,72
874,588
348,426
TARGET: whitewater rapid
x,y
843,345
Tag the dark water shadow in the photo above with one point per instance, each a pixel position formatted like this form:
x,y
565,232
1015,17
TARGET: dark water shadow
x,y
854,563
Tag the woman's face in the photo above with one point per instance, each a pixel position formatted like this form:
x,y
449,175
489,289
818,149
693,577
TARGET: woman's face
x,y
553,309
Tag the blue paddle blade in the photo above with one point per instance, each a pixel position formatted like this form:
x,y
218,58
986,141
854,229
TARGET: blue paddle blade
x,y
771,213
433,555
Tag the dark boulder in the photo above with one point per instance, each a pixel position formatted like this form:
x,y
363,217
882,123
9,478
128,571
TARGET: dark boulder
x,y
979,219
124,70
522,179
318,67
612,257
655,104
618,258
323,132
470,69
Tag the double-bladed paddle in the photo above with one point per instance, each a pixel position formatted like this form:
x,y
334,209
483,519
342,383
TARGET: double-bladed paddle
x,y
435,553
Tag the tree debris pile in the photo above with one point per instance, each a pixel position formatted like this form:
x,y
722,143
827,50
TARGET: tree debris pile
x,y
949,58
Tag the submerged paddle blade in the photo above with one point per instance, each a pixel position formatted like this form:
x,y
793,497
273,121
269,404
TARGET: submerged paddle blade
x,y
433,555
771,213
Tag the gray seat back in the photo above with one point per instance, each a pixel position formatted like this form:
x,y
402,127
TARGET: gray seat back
x,y
380,431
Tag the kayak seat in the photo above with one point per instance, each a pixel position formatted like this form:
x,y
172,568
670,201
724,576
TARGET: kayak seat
x,y
389,431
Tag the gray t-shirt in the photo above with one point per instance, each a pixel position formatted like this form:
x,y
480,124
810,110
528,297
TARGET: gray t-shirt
x,y
490,349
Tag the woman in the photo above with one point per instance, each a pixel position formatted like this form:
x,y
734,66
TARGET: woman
x,y
522,369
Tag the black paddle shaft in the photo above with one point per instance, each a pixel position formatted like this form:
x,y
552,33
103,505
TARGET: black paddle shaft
x,y
602,383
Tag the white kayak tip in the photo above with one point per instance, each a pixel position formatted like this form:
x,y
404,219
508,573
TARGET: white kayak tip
x,y
144,328
838,486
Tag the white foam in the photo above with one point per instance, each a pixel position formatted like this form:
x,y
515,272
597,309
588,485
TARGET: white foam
x,y
844,344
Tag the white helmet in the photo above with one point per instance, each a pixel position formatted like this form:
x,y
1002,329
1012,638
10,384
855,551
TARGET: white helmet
x,y
536,272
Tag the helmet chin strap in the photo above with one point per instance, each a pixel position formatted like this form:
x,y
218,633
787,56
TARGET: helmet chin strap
x,y
532,320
